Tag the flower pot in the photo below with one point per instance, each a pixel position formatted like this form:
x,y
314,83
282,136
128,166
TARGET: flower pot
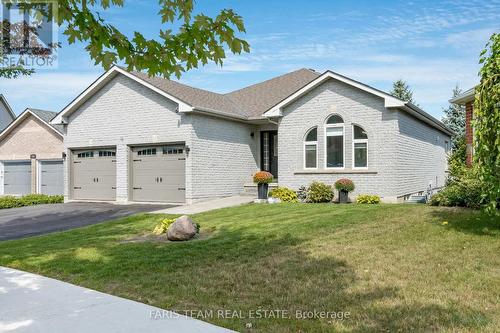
x,y
343,196
262,189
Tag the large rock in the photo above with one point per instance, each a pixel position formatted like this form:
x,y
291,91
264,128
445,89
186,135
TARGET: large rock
x,y
182,229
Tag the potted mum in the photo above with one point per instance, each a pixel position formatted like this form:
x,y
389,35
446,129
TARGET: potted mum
x,y
262,179
344,186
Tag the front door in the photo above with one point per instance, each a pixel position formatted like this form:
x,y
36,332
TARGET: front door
x,y
269,152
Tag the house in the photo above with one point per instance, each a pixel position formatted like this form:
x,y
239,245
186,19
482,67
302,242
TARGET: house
x,y
129,137
31,155
6,114
467,98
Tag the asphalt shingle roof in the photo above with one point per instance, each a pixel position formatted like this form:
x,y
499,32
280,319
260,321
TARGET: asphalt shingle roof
x,y
47,117
249,102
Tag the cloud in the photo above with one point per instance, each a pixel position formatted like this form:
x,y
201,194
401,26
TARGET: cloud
x,y
465,38
49,91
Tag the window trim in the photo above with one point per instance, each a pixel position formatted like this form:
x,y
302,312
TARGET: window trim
x,y
338,125
354,141
310,143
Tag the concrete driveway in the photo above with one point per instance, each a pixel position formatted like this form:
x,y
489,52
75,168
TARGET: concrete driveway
x,y
23,222
33,303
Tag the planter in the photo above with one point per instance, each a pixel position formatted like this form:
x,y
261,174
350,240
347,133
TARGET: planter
x,y
343,196
262,190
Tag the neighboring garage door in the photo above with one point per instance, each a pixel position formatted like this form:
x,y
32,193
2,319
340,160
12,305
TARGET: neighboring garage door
x,y
17,177
94,174
51,177
159,173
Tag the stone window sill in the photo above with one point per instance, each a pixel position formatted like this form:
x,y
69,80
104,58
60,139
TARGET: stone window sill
x,y
339,171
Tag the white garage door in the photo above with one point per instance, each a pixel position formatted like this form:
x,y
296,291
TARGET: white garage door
x,y
17,177
159,173
51,177
93,173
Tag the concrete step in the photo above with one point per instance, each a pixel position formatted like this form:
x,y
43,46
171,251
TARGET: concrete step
x,y
251,188
416,199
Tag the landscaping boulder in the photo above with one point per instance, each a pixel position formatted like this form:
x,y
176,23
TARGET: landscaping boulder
x,y
182,229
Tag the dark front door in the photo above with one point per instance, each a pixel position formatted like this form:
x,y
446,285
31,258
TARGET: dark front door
x,y
269,152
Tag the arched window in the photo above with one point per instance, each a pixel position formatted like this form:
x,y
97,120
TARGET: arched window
x,y
359,147
311,149
334,134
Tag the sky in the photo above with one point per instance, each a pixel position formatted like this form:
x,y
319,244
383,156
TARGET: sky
x,y
433,45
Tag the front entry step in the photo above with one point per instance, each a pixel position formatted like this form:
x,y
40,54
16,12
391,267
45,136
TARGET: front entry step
x,y
251,188
416,199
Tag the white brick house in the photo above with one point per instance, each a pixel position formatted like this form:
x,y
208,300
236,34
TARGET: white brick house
x,y
129,137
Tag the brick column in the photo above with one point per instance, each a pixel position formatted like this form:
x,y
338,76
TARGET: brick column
x,y
468,131
34,171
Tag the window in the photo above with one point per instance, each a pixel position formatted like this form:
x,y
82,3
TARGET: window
x,y
148,151
360,147
172,150
85,154
334,131
311,149
104,153
446,146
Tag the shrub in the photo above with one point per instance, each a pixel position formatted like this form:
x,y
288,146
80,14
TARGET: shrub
x,y
464,190
162,227
262,177
319,192
29,200
344,184
367,199
302,193
284,193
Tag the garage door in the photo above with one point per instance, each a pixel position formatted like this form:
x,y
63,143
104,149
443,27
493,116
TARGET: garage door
x,y
51,177
17,177
158,174
94,174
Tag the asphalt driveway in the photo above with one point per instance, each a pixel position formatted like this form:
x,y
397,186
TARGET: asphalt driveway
x,y
23,222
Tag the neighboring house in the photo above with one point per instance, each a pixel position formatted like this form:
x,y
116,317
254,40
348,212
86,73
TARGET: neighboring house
x,y
467,98
31,158
6,114
129,137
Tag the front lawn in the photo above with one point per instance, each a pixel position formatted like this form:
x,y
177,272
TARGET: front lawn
x,y
391,267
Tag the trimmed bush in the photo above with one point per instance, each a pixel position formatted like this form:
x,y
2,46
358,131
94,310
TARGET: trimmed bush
x,y
367,199
284,193
162,227
29,200
319,192
344,184
464,191
262,177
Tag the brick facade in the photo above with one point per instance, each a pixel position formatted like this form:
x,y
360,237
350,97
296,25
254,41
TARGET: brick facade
x,y
469,107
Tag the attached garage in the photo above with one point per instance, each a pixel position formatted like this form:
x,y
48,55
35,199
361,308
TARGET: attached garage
x,y
93,174
159,173
17,177
51,177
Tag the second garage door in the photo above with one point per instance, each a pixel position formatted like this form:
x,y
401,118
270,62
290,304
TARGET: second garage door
x,y
51,177
159,174
94,174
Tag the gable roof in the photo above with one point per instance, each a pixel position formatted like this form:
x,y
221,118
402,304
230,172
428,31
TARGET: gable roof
x,y
3,100
42,115
259,101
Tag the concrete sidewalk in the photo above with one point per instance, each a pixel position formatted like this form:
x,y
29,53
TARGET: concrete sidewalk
x,y
206,206
33,303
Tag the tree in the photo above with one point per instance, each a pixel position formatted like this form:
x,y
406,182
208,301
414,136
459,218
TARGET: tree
x,y
486,123
199,39
454,118
402,90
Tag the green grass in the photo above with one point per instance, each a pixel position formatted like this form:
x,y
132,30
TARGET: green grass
x,y
392,267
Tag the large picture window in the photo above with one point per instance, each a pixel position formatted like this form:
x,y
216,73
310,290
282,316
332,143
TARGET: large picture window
x,y
311,149
334,131
360,147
